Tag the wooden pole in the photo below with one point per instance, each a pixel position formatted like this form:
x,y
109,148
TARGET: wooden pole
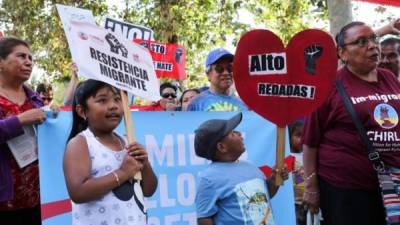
x,y
280,153
130,131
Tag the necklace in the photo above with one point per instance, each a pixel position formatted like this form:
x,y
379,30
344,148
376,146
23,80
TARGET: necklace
x,y
121,146
18,99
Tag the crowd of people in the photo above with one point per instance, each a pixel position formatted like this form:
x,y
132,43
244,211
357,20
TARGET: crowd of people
x,y
333,174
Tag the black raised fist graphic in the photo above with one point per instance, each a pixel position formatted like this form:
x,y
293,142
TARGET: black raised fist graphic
x,y
311,54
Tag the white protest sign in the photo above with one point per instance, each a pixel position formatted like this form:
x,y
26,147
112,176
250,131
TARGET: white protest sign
x,y
108,57
128,30
68,14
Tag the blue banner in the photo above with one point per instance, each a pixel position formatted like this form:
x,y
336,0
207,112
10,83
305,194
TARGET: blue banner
x,y
168,138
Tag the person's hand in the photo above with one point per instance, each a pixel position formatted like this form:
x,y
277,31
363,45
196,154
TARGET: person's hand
x,y
138,152
283,173
32,116
130,166
395,26
55,109
170,106
311,195
74,71
392,28
311,54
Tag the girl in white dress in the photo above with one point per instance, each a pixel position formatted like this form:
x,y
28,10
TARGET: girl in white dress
x,y
99,165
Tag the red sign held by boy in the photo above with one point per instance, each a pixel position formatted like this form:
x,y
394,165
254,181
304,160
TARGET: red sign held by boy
x,y
284,84
280,84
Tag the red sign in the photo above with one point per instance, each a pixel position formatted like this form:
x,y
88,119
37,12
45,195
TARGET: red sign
x,y
169,59
280,84
382,2
1,35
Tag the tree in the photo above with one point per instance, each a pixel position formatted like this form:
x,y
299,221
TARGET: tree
x,y
287,17
198,25
38,22
340,14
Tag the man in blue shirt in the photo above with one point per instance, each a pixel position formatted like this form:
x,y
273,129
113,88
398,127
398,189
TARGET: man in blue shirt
x,y
219,74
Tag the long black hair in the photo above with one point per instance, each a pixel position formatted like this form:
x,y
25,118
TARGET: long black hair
x,y
84,90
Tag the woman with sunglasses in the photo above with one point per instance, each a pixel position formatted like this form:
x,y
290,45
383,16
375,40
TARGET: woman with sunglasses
x,y
339,177
168,101
45,92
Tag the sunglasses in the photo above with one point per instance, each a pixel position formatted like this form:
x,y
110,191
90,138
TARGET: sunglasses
x,y
169,95
221,69
47,98
362,42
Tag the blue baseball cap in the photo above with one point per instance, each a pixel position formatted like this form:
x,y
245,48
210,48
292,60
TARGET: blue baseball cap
x,y
217,54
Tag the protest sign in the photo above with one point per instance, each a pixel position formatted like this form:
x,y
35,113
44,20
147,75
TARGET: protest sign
x,y
128,30
1,35
171,153
382,2
68,14
169,59
108,57
280,84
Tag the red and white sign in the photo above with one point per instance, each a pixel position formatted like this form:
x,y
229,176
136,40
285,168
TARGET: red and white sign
x,y
169,59
382,2
280,84
1,35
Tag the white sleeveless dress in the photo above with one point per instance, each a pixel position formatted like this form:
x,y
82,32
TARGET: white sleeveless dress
x,y
108,210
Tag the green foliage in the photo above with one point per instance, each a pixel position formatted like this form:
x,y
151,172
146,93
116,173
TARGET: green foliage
x,y
37,21
287,17
198,25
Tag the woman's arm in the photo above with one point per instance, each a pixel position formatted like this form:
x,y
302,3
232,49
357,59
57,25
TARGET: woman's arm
x,y
311,193
391,28
70,91
11,127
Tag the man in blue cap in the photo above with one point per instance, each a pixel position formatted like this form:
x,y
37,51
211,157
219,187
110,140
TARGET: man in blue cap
x,y
219,74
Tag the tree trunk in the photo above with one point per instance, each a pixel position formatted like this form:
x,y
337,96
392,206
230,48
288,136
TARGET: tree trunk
x,y
340,14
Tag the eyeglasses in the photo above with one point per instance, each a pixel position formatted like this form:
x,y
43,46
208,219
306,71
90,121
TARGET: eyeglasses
x,y
221,69
363,41
47,99
168,95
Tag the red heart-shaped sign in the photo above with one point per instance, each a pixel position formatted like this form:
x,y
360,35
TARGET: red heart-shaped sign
x,y
280,84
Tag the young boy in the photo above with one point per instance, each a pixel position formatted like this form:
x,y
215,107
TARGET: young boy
x,y
230,191
295,133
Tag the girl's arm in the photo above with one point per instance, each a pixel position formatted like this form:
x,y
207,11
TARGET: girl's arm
x,y
149,182
82,187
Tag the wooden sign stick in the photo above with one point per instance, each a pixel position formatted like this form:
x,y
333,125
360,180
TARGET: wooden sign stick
x,y
130,131
280,153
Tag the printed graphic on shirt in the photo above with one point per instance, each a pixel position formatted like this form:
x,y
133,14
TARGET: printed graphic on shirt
x,y
386,116
222,107
253,202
